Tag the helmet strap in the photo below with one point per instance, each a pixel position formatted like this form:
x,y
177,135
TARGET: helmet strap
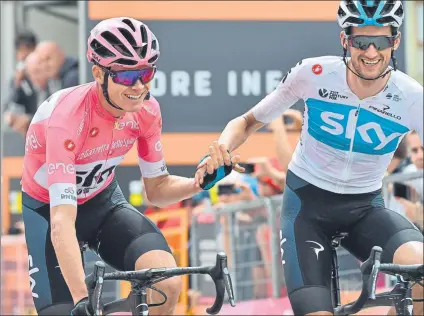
x,y
394,60
106,94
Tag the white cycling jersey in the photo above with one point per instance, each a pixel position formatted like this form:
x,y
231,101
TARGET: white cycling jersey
x,y
346,143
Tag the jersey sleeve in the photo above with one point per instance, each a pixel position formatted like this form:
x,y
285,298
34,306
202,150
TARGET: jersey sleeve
x,y
417,118
287,93
60,161
150,156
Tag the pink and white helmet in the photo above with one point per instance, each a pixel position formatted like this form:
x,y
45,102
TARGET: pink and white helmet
x,y
122,42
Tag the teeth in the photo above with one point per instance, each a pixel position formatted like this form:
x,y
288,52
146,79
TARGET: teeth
x,y
367,62
133,97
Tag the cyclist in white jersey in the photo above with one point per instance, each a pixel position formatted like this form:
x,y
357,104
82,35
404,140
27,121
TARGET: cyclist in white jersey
x,y
357,110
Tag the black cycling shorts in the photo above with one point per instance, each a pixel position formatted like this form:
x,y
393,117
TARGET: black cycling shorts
x,y
110,226
311,217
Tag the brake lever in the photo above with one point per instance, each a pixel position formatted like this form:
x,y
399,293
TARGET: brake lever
x,y
228,284
94,284
375,259
221,277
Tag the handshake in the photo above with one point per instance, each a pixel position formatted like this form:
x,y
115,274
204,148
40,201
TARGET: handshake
x,y
216,165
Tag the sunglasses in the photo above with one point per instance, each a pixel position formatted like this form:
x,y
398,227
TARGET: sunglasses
x,y
363,42
416,149
129,77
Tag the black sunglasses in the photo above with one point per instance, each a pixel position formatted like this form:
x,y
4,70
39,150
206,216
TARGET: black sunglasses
x,y
363,42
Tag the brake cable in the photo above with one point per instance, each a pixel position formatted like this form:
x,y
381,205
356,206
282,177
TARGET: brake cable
x,y
160,292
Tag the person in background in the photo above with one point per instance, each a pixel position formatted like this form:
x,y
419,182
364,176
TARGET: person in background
x,y
270,175
25,99
413,206
289,123
400,159
25,43
62,71
17,99
17,228
271,182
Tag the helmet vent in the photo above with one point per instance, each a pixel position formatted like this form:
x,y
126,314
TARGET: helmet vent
x,y
129,23
116,43
354,20
153,59
387,8
100,49
127,36
155,44
124,61
352,8
386,19
370,10
143,34
399,12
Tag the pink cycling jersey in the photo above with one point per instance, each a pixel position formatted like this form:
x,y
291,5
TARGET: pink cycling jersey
x,y
73,146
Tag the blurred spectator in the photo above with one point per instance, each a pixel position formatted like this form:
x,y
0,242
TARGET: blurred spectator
x,y
270,175
16,102
25,43
290,122
413,204
25,98
62,71
415,149
17,228
400,159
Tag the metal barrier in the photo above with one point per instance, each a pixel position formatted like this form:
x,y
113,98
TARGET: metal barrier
x,y
402,178
249,233
253,247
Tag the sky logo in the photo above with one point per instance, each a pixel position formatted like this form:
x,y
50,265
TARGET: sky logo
x,y
337,124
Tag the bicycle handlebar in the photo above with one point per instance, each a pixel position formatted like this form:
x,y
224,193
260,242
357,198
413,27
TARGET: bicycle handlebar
x,y
369,270
414,271
219,274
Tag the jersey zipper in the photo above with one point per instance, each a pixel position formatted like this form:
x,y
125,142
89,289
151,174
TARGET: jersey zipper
x,y
345,174
115,124
111,142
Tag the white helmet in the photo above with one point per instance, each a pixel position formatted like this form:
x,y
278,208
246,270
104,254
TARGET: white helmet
x,y
374,12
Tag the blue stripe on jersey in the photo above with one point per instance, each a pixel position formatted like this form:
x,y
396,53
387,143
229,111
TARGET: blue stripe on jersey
x,y
333,123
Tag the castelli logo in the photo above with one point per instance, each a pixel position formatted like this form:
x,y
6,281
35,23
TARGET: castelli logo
x,y
69,145
94,132
317,69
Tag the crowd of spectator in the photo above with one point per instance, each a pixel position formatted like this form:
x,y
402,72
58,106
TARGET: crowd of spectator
x,y
41,69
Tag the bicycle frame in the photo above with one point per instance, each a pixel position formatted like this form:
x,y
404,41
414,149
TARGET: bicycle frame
x,y
335,289
135,303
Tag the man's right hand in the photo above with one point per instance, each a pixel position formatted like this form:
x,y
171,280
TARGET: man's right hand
x,y
218,156
82,308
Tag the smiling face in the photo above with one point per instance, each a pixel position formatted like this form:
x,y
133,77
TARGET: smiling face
x,y
130,99
370,63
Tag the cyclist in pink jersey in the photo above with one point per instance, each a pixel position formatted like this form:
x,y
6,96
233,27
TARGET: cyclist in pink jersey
x,y
76,139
